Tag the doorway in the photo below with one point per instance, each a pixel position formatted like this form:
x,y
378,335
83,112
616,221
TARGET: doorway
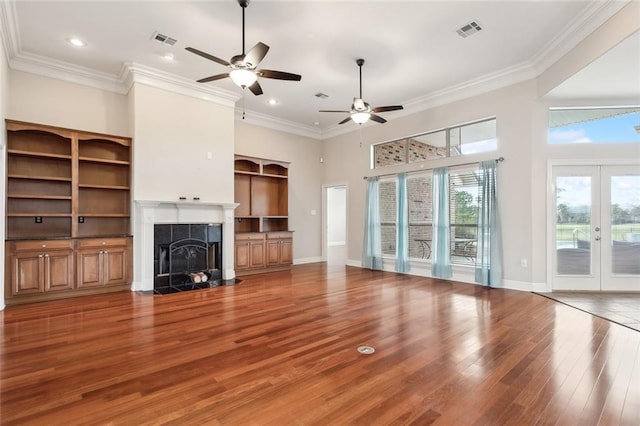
x,y
595,228
335,230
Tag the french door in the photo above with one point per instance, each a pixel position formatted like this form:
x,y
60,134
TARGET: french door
x,y
595,241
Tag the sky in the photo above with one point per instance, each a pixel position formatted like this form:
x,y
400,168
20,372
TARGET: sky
x,y
609,130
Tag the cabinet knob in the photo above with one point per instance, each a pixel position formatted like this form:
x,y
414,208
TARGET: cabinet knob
x,y
46,255
44,245
105,252
104,242
41,255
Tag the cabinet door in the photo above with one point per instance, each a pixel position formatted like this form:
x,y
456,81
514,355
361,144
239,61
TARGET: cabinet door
x,y
89,268
58,271
115,266
256,257
242,255
286,251
273,252
27,273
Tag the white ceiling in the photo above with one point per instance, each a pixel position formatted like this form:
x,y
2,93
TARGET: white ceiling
x,y
411,48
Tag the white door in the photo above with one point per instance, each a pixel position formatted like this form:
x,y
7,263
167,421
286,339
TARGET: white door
x,y
596,228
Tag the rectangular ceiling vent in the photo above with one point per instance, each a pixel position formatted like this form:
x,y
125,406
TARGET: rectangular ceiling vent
x,y
468,29
165,39
321,95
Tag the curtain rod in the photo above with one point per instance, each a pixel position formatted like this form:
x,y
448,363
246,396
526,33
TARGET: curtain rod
x,y
499,159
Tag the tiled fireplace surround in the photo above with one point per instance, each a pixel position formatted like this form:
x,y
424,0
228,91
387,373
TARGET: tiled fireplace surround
x,y
148,213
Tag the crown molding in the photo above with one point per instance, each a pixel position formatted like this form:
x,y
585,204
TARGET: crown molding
x,y
48,67
585,23
136,73
9,28
275,123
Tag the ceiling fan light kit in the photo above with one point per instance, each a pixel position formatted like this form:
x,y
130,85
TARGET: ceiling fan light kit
x,y
361,112
243,67
243,78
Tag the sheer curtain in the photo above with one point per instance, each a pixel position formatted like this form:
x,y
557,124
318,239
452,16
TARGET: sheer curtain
x,y
489,251
441,262
402,233
372,250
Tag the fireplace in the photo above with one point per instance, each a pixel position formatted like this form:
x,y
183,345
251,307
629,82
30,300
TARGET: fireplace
x,y
186,257
201,224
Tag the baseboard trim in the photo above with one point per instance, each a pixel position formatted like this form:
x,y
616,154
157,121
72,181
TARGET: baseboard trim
x,y
303,260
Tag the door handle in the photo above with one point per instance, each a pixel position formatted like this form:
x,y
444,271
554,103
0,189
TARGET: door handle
x,y
597,228
597,238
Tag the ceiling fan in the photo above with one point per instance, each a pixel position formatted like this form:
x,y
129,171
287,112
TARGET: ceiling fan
x,y
361,111
243,67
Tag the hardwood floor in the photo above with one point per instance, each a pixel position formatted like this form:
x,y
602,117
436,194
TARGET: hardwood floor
x,y
280,349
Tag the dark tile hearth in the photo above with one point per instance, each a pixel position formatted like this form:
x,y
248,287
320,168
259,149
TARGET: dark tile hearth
x,y
194,286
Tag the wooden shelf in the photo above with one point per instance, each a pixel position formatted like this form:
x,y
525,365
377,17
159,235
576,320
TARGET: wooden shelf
x,y
39,197
103,214
32,177
103,161
37,154
116,187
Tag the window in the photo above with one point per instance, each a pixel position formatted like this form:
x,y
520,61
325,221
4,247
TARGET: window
x,y
388,209
594,125
463,214
465,139
420,215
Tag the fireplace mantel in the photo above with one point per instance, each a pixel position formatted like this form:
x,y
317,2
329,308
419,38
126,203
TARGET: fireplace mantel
x,y
150,212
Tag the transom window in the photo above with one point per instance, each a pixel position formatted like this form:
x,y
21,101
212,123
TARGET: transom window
x,y
594,125
466,139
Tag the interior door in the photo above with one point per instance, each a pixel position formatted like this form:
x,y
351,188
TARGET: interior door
x,y
596,228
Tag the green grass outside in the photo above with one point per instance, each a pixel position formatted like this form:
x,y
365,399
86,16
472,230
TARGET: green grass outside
x,y
565,231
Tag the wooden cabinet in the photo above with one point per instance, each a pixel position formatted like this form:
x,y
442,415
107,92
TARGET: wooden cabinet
x,y
104,262
279,248
249,253
40,266
262,192
65,185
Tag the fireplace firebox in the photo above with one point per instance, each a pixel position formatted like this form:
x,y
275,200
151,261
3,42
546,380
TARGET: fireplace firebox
x,y
187,257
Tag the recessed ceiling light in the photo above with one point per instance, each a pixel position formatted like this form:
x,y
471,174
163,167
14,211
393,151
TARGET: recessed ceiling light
x,y
75,41
273,102
168,57
316,123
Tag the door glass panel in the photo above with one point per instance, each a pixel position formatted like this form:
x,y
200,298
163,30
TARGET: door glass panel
x,y
573,225
625,224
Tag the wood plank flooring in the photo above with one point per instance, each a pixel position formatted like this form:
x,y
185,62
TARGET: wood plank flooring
x,y
280,349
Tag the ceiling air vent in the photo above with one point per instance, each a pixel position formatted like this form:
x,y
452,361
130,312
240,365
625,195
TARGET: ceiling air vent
x,y
165,39
468,29
321,95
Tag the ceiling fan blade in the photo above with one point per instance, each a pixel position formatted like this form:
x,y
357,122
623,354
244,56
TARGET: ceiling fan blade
x,y
387,108
207,56
256,89
345,120
213,78
334,110
278,75
377,118
256,54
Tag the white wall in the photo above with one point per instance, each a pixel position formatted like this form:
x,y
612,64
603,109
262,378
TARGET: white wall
x,y
45,100
4,71
305,181
173,135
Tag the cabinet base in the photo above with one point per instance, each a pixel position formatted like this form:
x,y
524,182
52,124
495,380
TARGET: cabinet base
x,y
241,273
44,297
